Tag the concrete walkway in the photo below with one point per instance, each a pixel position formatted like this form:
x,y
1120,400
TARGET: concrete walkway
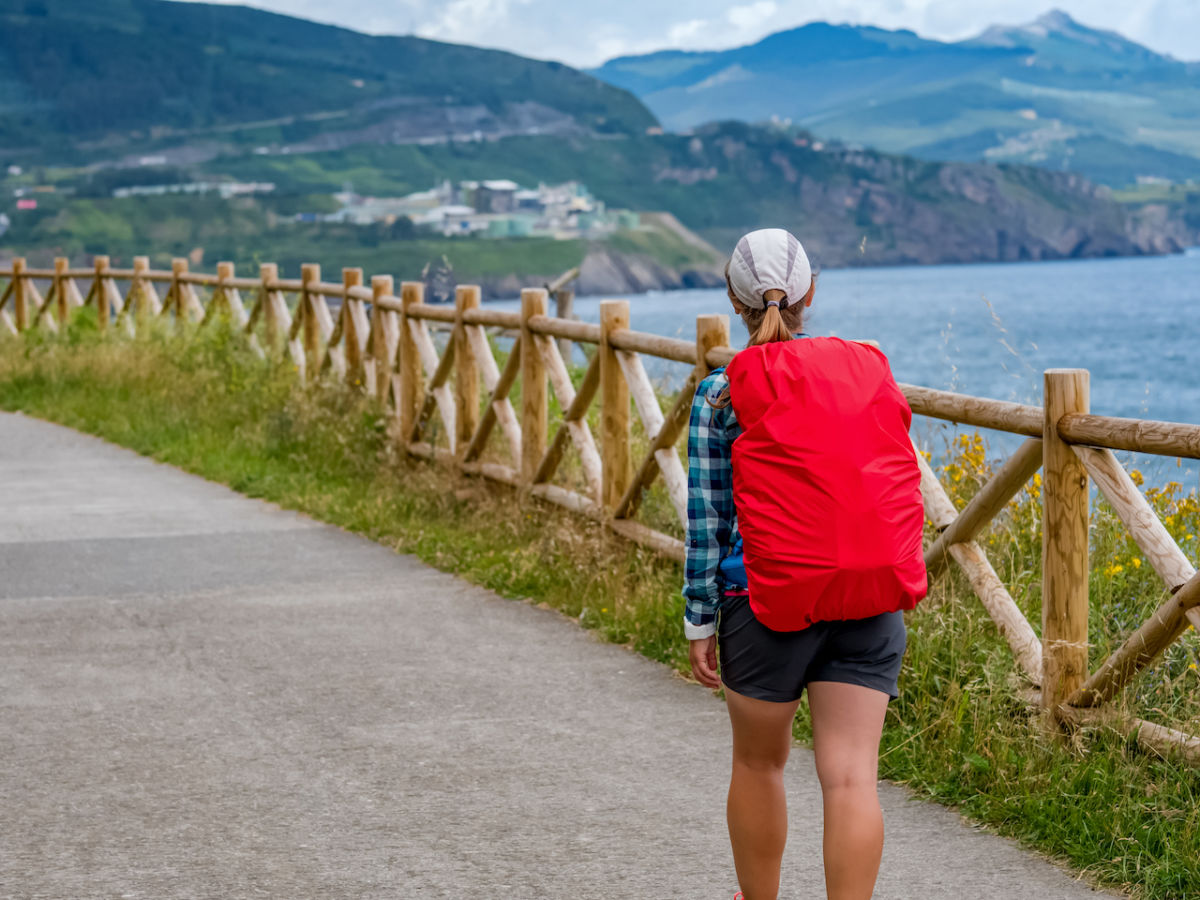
x,y
202,696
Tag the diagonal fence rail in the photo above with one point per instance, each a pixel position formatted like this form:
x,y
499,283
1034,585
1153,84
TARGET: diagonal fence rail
x,y
449,391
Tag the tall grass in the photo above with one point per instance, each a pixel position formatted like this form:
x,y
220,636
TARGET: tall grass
x,y
959,732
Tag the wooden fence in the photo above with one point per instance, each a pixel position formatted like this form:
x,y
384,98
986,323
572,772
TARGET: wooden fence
x,y
382,341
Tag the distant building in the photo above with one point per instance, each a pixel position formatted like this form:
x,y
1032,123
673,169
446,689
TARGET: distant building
x,y
496,208
452,220
496,196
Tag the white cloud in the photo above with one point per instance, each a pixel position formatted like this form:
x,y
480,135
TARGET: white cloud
x,y
683,33
753,15
466,21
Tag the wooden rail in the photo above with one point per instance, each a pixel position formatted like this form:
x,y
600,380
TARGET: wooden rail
x,y
447,400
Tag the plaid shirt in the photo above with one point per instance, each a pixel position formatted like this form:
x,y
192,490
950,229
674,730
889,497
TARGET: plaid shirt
x,y
712,519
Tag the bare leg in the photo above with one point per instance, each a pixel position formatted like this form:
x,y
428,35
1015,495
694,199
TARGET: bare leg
x,y
847,724
757,807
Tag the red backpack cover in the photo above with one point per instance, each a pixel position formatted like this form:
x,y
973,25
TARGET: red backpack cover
x,y
825,482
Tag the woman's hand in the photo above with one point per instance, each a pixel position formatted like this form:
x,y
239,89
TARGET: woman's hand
x,y
703,654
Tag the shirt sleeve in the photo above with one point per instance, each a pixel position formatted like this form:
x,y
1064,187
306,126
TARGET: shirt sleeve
x,y
710,507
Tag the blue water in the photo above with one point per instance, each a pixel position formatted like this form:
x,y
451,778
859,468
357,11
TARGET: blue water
x,y
990,330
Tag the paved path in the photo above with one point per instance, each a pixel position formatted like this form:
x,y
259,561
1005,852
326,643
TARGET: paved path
x,y
202,696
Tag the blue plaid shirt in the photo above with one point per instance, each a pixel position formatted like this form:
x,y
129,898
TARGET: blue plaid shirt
x,y
712,519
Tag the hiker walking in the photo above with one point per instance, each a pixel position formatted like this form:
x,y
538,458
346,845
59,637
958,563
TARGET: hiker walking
x,y
803,546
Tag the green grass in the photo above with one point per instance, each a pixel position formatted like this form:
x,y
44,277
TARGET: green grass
x,y
225,230
958,734
663,246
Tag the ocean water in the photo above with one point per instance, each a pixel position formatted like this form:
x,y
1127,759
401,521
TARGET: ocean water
x,y
992,329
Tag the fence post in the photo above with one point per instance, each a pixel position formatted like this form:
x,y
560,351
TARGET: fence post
x,y
411,380
62,303
20,296
466,376
615,459
351,278
1064,543
220,294
564,308
534,397
268,274
179,268
141,299
381,286
310,274
711,331
101,290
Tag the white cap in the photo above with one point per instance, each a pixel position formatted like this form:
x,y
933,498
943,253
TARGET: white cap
x,y
769,259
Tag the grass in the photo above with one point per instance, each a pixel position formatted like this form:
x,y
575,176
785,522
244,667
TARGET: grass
x,y
958,734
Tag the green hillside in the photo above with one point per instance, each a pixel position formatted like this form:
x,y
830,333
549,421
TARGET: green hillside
x,y
851,207
104,73
1054,93
855,207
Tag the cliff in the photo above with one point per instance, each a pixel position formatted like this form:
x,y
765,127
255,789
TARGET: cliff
x,y
612,272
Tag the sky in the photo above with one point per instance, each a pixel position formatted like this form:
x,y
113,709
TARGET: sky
x,y
587,33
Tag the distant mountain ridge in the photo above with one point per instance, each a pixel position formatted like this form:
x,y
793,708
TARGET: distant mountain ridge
x,y
1053,93
113,70
1057,26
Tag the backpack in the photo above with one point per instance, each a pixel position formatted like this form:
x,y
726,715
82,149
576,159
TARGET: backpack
x,y
825,482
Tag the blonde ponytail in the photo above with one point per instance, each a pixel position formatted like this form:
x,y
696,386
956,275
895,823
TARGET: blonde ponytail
x,y
772,327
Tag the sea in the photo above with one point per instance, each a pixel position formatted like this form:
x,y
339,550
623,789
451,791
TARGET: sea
x,y
992,329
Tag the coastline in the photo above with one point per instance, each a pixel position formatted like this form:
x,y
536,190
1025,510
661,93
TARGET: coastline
x,y
609,273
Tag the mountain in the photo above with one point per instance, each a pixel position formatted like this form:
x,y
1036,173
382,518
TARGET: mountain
x,y
1053,93
1056,36
850,207
111,72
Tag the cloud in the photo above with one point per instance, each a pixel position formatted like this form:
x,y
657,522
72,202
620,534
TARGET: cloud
x,y
469,20
753,15
682,33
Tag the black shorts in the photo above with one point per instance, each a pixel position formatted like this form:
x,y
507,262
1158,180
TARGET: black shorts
x,y
776,665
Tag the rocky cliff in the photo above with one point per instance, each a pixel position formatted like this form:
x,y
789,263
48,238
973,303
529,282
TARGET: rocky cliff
x,y
607,271
902,211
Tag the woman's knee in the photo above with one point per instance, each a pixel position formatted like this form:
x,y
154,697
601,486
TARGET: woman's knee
x,y
843,774
761,758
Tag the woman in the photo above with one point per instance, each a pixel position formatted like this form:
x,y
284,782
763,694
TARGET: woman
x,y
804,544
